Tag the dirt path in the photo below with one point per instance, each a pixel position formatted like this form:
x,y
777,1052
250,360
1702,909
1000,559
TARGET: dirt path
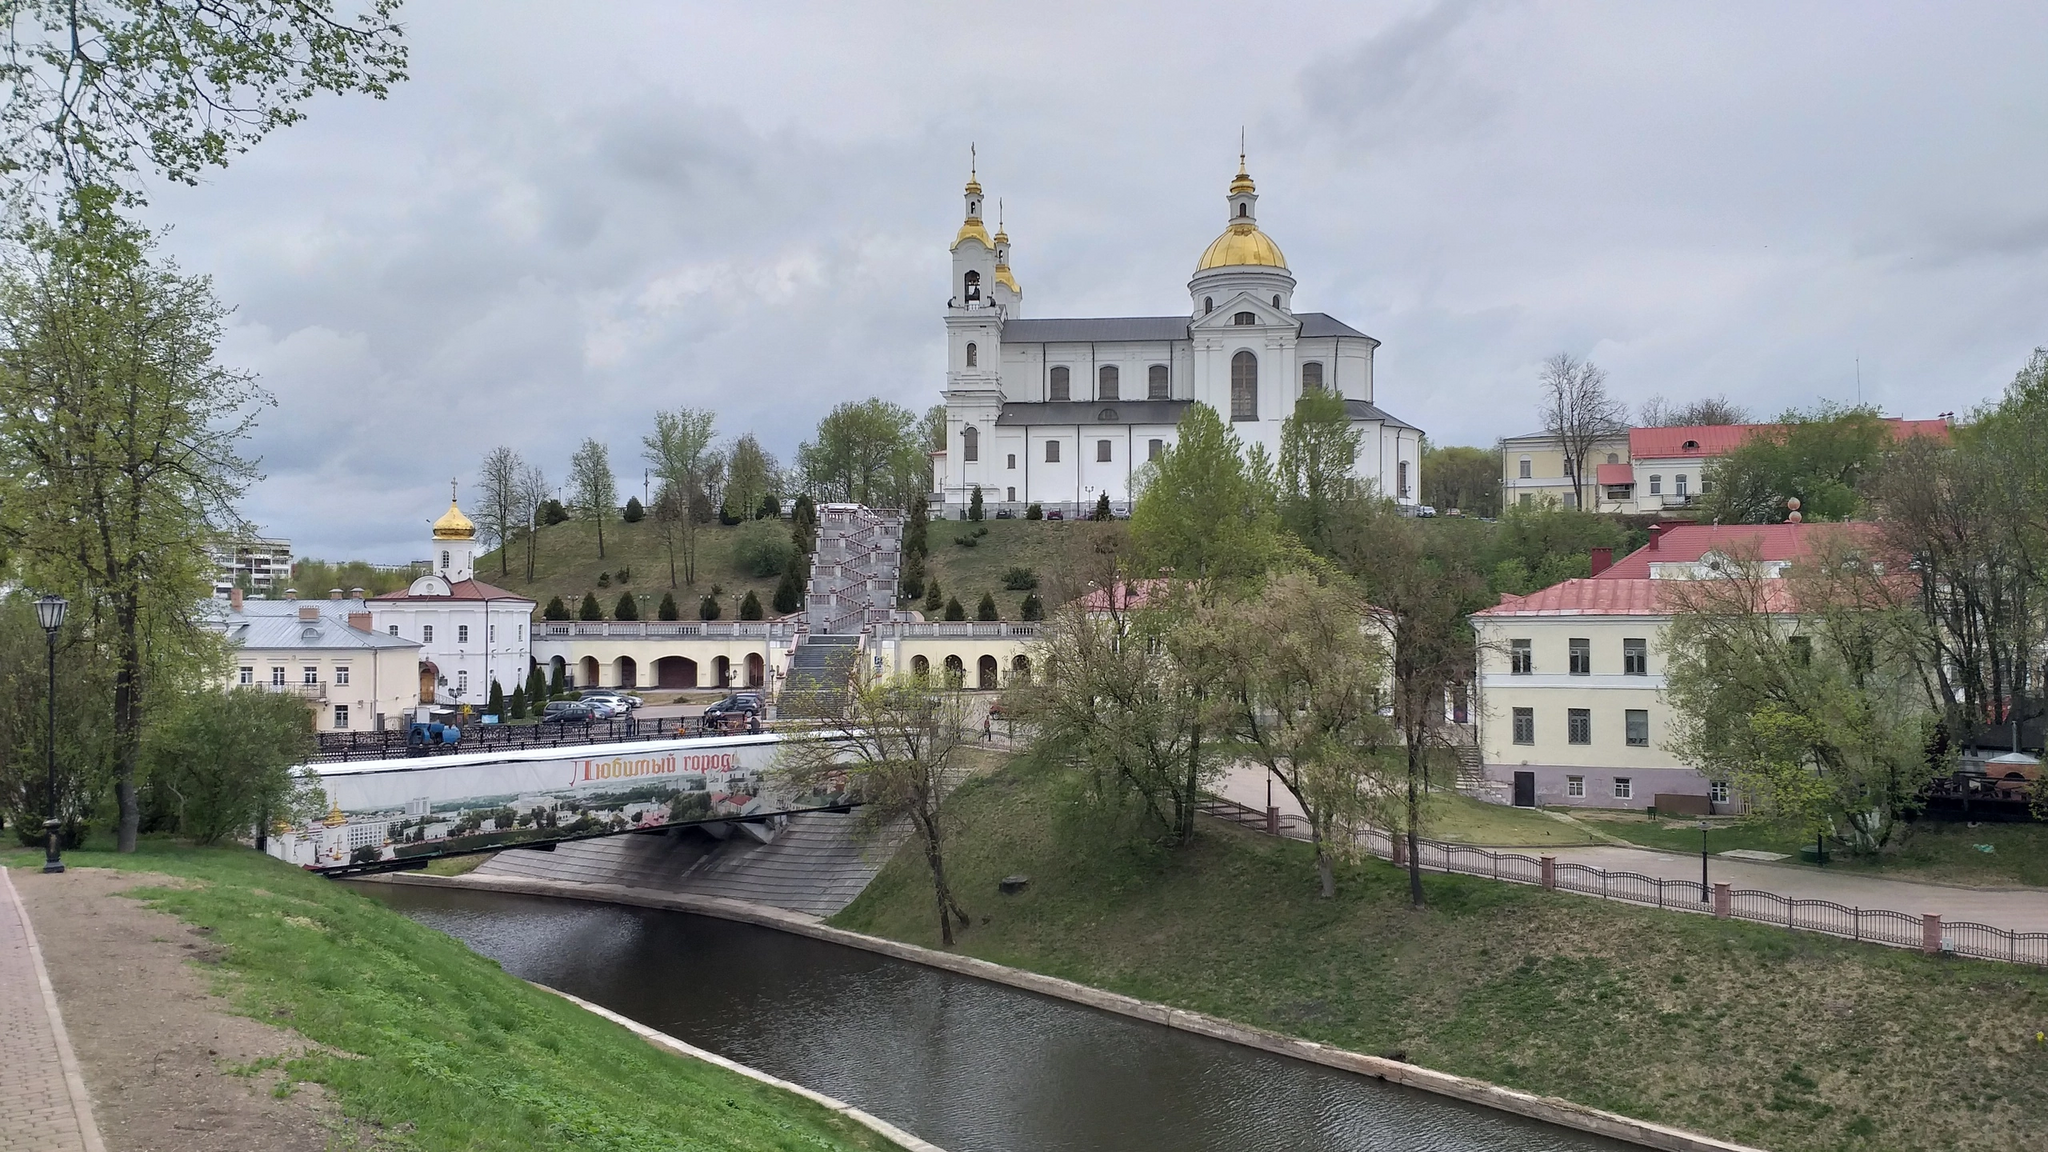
x,y
157,1048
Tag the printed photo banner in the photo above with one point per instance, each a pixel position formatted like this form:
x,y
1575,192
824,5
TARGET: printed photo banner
x,y
393,809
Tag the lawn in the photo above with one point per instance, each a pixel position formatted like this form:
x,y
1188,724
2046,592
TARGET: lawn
x,y
1464,820
1039,545
1790,1041
434,1045
1934,850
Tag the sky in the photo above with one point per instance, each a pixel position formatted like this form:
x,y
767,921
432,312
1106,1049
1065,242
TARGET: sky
x,y
571,216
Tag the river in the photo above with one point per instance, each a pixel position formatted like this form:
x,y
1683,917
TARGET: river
x,y
968,1065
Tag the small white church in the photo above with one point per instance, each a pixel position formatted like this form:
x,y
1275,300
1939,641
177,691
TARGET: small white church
x,y
1058,412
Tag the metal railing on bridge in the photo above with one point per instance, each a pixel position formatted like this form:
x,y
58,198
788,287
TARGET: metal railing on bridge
x,y
343,747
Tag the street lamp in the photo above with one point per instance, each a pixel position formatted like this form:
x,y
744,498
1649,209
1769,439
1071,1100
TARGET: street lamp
x,y
1703,861
50,614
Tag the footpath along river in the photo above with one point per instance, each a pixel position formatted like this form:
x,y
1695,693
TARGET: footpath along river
x,y
968,1065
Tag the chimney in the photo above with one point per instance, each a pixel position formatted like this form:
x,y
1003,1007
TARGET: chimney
x,y
291,593
360,621
355,593
1603,559
309,612
235,599
1656,530
334,593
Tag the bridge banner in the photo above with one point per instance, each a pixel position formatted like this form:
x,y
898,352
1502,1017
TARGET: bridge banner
x,y
385,810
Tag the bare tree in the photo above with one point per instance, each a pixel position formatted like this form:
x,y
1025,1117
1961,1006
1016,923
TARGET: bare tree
x,y
679,453
533,490
498,514
593,488
1578,411
1657,412
894,745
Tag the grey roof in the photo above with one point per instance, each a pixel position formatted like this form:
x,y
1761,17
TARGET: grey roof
x,y
1017,414
270,625
1367,410
1109,329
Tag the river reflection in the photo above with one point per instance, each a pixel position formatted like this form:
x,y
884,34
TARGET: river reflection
x,y
968,1065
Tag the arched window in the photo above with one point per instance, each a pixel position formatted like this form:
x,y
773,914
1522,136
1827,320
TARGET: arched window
x,y
973,285
920,667
973,356
1312,376
1245,318
1020,669
1058,386
1106,382
1208,305
444,560
956,672
1243,210
1156,382
1244,386
1276,301
1613,458
970,442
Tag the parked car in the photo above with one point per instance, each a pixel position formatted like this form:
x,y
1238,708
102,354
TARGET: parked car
x,y
604,707
567,712
1425,511
625,700
1055,514
1005,514
740,703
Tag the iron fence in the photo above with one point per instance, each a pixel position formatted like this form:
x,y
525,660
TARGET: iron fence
x,y
343,747
1869,925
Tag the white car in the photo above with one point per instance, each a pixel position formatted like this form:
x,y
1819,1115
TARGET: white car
x,y
622,701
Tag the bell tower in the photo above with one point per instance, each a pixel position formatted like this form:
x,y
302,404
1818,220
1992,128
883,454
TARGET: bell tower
x,y
975,310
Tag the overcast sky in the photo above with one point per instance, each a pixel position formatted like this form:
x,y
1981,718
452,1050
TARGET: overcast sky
x,y
572,215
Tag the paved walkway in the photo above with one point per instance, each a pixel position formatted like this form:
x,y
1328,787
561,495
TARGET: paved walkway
x,y
2015,909
43,1105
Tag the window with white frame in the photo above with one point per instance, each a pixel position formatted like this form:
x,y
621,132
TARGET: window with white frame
x,y
1656,485
310,674
248,675
341,716
1575,786
1521,660
1525,725
277,675
1717,791
1624,789
444,560
462,683
1154,449
394,629
1526,465
427,634
491,636
1638,726
1578,726
1635,657
341,673
462,633
1581,656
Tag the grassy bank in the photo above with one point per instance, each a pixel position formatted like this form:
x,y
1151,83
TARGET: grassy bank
x,y
1938,851
434,1045
1785,1040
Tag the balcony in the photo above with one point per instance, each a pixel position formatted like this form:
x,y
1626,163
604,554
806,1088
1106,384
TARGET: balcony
x,y
303,691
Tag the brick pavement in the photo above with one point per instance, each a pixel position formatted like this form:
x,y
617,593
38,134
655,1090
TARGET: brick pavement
x,y
43,1103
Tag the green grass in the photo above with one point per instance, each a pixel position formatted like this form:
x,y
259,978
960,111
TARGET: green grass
x,y
1790,1041
1040,545
1936,851
434,1045
1464,820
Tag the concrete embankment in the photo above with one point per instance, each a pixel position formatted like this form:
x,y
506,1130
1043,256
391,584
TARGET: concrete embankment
x,y
1549,1109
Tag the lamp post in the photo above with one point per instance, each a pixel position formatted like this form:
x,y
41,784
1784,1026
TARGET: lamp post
x,y
50,614
1703,861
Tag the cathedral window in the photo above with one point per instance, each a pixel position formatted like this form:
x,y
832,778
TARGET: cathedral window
x,y
1312,376
1243,211
1244,386
1155,449
1156,382
1106,383
1052,451
970,441
427,633
1013,461
1401,479
1059,383
1243,319
1208,305
1012,497
1276,301
444,560
973,285
1102,451
973,356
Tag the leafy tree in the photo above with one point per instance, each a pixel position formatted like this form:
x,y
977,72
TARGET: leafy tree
x,y
749,476
868,452
226,760
1318,452
894,744
1034,512
496,705
1579,413
679,453
707,608
591,609
974,504
986,610
98,93
1823,457
668,610
789,592
516,704
761,548
556,610
1032,609
750,608
628,608
634,512
1467,479
1202,512
933,598
595,490
499,512
119,452
953,609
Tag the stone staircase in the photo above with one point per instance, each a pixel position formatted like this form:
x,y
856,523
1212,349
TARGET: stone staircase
x,y
852,588
819,669
1472,779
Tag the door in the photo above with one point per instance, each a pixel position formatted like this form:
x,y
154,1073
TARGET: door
x,y
1525,789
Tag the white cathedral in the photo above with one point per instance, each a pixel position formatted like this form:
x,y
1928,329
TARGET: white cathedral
x,y
1058,412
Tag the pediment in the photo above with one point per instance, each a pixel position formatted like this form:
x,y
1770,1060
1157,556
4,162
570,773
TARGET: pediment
x,y
429,586
1224,317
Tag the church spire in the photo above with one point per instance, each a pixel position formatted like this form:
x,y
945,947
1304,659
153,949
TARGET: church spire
x,y
972,227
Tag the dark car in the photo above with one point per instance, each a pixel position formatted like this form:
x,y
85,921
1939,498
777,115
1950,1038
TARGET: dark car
x,y
1055,514
1005,514
423,734
741,710
568,712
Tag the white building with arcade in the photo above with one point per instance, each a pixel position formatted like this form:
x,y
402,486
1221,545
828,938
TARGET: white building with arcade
x,y
1057,412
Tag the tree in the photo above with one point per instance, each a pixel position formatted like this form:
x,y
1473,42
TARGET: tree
x,y
1033,609
515,705
556,610
974,504
954,611
749,476
895,745
762,549
634,512
1034,512
933,598
789,592
750,608
119,452
593,488
770,509
558,682
668,610
1467,479
100,92
502,507
1101,513
1318,452
678,452
628,609
1579,414
1658,412
803,525
536,685
533,498
226,760
986,610
552,512
868,452
591,609
1202,512
1824,457
707,608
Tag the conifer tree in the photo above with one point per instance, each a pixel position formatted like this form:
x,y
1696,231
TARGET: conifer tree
x,y
789,594
558,683
668,609
1033,609
974,504
803,525
556,610
1102,506
635,511
933,598
986,610
707,608
536,685
516,704
497,705
750,608
591,610
953,609
628,609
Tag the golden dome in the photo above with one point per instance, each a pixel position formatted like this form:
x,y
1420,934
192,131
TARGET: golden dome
x,y
1004,278
973,228
1242,244
334,818
453,525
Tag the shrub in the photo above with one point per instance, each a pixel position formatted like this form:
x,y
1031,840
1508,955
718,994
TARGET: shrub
x,y
750,608
725,515
496,707
516,703
980,530
623,575
590,611
628,609
604,579
558,682
1102,506
953,609
707,608
933,598
667,611
986,610
974,504
770,509
762,549
556,610
967,540
1020,579
789,592
1032,609
552,512
635,512
1034,513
